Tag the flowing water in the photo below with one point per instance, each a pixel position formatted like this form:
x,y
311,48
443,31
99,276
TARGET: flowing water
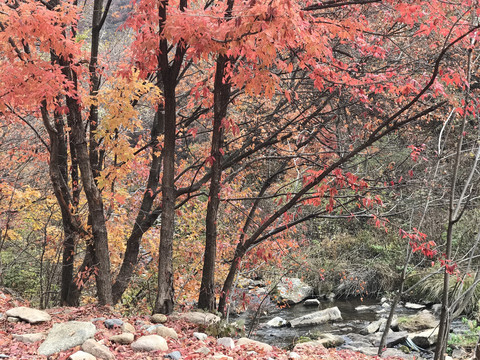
x,y
353,321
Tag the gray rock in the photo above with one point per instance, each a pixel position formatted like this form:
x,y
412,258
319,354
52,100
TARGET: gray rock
x,y
425,338
250,344
437,309
413,306
158,318
326,340
98,350
166,332
293,290
152,328
81,355
200,336
150,343
65,336
420,321
128,328
393,352
393,338
196,317
175,355
374,326
111,323
124,338
293,355
30,338
311,302
203,350
227,342
32,316
12,319
277,322
330,296
318,317
365,308
367,350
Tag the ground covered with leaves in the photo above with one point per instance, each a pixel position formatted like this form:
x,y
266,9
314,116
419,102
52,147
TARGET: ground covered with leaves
x,y
186,344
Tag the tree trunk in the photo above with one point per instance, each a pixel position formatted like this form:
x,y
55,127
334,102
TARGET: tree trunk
x,y
206,299
165,301
227,285
143,221
58,168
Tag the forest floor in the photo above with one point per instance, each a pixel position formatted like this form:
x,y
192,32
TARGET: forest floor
x,y
187,344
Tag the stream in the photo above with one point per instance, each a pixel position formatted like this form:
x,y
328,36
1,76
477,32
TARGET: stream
x,y
353,321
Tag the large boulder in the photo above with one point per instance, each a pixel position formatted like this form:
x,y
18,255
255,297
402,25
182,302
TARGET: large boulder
x,y
293,290
318,317
420,321
65,336
32,316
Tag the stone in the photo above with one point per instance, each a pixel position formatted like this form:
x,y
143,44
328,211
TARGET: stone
x,y
200,336
293,290
277,322
128,328
374,326
112,323
152,328
383,300
65,336
325,340
318,317
413,306
81,355
459,353
367,350
158,318
420,321
196,317
12,319
437,309
311,302
220,357
166,332
397,353
124,338
150,343
175,355
203,350
426,338
393,338
293,355
98,350
32,316
365,308
250,344
30,338
227,342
